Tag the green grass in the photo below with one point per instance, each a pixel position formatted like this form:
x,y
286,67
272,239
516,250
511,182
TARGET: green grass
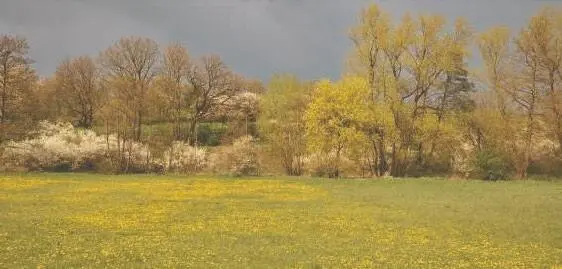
x,y
94,221
209,133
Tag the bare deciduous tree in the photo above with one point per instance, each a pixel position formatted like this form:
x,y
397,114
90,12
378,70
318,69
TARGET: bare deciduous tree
x,y
16,80
173,86
133,62
213,86
79,89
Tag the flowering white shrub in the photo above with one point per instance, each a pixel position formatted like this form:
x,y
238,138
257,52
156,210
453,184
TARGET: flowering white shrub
x,y
56,145
327,165
463,160
60,146
239,159
238,106
134,157
183,158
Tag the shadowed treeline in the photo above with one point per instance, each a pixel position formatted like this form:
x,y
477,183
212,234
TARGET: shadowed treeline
x,y
407,105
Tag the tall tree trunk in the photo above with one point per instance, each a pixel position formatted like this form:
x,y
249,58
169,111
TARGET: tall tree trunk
x,y
192,132
139,126
177,127
555,110
336,172
3,108
119,155
373,162
524,165
107,137
441,111
394,164
382,162
419,158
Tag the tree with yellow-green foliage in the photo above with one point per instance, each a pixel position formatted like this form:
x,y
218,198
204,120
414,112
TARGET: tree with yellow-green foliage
x,y
524,75
282,122
335,118
416,68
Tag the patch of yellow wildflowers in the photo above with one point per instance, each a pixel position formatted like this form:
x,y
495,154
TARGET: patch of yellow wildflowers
x,y
17,184
260,189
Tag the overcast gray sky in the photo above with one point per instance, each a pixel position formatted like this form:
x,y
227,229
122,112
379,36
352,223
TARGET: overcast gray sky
x,y
255,37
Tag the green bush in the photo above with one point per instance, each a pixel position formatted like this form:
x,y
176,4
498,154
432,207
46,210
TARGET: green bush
x,y
546,166
210,133
492,165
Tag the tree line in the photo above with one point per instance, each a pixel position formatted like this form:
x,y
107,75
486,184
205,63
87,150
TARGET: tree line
x,y
406,105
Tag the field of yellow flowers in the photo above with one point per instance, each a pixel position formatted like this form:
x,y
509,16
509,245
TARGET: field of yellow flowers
x,y
93,221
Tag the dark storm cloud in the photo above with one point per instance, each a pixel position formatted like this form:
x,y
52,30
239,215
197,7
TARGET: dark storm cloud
x,y
255,37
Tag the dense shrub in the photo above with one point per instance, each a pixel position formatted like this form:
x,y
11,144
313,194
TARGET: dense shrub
x,y
546,160
61,147
56,147
210,133
462,161
183,158
547,166
492,165
326,165
238,159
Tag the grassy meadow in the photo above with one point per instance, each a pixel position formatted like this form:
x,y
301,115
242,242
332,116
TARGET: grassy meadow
x,y
94,221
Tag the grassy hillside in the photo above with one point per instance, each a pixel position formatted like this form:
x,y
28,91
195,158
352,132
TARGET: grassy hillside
x,y
78,220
